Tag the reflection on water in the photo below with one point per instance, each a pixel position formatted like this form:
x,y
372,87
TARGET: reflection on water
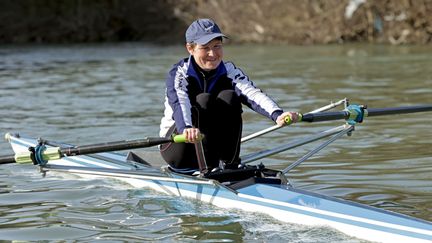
x,y
85,94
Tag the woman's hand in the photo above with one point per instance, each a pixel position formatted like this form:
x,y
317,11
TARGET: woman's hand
x,y
294,117
193,135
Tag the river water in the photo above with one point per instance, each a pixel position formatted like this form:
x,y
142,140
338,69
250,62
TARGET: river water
x,y
85,94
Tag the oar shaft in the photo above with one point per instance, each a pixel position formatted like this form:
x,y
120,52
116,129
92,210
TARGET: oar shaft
x,y
114,146
260,133
398,110
325,116
338,115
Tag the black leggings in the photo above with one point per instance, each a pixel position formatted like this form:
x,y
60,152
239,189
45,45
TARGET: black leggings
x,y
219,119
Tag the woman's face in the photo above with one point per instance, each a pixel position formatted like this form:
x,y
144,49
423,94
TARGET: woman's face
x,y
208,56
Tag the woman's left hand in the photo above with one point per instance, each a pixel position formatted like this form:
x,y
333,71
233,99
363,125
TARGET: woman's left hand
x,y
294,117
192,135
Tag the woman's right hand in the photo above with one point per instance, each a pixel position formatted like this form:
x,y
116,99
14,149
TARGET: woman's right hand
x,y
293,116
192,135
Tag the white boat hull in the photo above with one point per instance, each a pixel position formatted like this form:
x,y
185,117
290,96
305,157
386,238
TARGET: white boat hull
x,y
279,201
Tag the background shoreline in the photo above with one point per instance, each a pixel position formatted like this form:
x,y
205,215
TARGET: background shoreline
x,y
266,22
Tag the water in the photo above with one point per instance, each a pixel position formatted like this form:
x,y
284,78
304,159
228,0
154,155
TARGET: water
x,y
85,94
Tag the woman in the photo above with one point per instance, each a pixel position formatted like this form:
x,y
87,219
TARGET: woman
x,y
204,96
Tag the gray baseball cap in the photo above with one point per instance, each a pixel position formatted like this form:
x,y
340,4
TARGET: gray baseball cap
x,y
202,31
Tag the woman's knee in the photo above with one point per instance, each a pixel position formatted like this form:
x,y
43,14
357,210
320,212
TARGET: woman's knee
x,y
229,98
179,155
204,100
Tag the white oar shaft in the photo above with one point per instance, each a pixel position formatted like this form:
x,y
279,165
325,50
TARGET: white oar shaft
x,y
330,106
260,133
276,127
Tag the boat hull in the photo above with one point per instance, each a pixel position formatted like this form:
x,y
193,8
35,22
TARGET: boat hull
x,y
280,201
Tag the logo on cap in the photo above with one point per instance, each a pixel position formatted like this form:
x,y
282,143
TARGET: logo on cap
x,y
209,29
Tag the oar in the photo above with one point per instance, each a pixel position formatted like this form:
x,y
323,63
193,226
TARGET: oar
x,y
52,153
354,113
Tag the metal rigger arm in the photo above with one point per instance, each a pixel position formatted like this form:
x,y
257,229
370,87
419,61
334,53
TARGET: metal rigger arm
x,y
333,133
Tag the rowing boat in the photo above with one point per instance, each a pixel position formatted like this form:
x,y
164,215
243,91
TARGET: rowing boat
x,y
253,188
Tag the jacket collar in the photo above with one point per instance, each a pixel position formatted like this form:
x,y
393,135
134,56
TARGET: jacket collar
x,y
191,71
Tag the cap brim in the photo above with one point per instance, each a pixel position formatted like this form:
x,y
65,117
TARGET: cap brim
x,y
206,39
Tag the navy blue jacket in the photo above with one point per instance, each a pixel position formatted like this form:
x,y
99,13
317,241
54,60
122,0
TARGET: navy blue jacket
x,y
183,84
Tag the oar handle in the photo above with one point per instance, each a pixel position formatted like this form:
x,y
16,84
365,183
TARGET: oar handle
x,y
289,121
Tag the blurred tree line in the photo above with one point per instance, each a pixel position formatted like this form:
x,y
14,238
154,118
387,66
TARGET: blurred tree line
x,y
165,21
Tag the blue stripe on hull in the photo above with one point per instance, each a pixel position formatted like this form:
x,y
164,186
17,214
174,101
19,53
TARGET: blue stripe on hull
x,y
350,213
